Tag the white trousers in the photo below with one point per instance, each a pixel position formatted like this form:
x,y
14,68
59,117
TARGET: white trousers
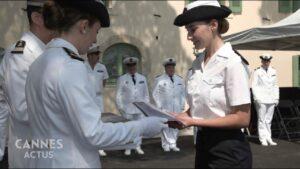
x,y
265,114
169,137
134,117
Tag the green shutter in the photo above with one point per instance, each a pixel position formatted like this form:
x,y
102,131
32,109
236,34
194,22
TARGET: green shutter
x,y
296,5
285,6
296,71
236,6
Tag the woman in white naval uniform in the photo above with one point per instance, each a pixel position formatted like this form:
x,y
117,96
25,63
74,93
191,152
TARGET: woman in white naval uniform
x,y
131,87
266,95
217,90
13,71
98,75
62,109
169,96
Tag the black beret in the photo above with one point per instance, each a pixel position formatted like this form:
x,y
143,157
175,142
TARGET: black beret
x,y
201,13
94,7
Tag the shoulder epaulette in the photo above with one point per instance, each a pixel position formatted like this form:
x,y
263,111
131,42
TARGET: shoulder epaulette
x,y
157,76
179,76
72,54
243,59
19,48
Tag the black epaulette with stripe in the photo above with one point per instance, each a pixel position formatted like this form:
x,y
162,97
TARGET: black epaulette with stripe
x,y
72,54
243,59
179,76
157,76
19,48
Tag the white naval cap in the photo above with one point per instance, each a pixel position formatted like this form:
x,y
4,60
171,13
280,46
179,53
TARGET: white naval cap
x,y
35,3
266,56
130,60
94,48
169,61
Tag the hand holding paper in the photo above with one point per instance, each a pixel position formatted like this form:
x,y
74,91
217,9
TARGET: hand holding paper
x,y
150,110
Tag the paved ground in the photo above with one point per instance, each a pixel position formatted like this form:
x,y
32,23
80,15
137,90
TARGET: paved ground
x,y
285,155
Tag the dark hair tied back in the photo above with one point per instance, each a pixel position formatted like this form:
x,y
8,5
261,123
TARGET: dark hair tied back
x,y
223,26
53,15
62,18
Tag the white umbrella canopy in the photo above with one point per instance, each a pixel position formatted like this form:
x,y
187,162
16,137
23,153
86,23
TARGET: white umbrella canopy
x,y
283,35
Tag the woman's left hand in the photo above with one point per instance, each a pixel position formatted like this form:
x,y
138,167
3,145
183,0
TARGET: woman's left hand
x,y
185,119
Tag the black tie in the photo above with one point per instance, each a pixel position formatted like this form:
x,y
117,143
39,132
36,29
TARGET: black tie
x,y
171,77
133,79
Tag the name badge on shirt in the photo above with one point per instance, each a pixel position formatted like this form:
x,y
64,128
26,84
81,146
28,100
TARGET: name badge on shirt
x,y
100,71
141,82
179,84
273,75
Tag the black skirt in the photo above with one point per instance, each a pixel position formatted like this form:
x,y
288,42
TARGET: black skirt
x,y
221,148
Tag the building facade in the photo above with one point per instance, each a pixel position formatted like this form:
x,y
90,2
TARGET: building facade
x,y
145,29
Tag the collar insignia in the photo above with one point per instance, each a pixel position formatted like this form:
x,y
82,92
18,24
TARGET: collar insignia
x,y
72,54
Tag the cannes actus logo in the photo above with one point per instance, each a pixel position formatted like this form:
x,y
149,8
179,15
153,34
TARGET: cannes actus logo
x,y
39,148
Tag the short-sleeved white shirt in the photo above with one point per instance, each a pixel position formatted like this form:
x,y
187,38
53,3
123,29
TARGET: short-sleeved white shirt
x,y
97,75
223,82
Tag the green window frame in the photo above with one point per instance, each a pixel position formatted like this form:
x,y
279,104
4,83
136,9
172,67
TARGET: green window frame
x,y
235,6
296,71
113,60
288,6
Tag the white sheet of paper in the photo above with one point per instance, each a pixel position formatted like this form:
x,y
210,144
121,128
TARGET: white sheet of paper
x,y
150,110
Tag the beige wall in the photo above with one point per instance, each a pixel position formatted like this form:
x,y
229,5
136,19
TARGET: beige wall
x,y
134,22
252,14
13,21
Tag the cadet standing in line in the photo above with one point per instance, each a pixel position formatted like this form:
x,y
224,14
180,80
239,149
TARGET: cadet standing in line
x,y
60,98
131,87
169,96
13,71
98,75
217,89
266,96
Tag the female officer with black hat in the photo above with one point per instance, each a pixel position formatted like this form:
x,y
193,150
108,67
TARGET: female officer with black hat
x,y
217,90
65,120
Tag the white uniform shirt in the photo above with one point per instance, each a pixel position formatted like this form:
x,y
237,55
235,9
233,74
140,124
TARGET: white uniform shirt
x,y
167,95
13,72
264,85
223,82
127,93
61,106
97,76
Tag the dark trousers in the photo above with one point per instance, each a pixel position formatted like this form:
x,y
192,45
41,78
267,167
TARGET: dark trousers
x,y
4,162
220,148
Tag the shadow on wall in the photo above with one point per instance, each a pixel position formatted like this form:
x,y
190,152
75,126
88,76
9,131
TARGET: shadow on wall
x,y
269,12
13,22
151,24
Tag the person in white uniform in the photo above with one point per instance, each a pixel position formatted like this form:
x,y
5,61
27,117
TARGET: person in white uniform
x,y
98,75
266,96
169,96
131,87
63,114
217,89
13,71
